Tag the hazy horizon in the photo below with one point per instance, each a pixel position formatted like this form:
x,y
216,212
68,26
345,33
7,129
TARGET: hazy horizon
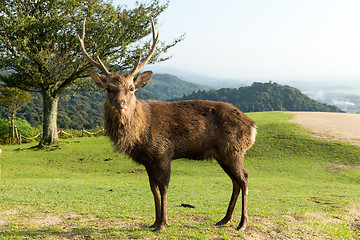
x,y
260,40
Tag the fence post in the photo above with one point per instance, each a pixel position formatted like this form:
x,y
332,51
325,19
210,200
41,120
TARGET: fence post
x,y
61,133
82,132
20,139
16,132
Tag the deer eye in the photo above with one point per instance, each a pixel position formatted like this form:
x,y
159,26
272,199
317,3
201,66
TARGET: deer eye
x,y
109,89
132,89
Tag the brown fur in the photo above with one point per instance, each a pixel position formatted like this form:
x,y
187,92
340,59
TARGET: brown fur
x,y
154,133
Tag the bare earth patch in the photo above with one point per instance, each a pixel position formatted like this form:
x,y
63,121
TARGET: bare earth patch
x,y
49,220
354,217
343,127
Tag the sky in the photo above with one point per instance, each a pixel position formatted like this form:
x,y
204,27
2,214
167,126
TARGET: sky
x,y
262,40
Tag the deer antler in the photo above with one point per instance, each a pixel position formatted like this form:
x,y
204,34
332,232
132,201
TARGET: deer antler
x,y
139,65
99,65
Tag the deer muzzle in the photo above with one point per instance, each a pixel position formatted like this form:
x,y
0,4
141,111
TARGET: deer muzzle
x,y
120,105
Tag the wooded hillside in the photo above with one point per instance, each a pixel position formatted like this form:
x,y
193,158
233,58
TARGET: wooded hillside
x,y
167,86
264,97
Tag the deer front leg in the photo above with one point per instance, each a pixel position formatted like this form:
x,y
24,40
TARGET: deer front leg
x,y
159,181
163,220
156,192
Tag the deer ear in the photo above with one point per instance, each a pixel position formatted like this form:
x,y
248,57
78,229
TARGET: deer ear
x,y
98,79
142,79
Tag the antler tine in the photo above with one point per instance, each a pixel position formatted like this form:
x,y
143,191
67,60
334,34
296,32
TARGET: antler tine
x,y
139,65
153,31
103,67
99,65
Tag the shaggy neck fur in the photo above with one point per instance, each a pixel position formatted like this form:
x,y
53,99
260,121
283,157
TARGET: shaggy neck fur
x,y
125,129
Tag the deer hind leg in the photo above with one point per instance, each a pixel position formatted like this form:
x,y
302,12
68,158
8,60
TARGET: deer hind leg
x,y
233,166
230,210
244,214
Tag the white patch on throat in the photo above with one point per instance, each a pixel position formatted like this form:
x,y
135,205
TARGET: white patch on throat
x,y
253,134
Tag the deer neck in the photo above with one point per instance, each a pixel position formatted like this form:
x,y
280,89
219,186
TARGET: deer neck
x,y
125,129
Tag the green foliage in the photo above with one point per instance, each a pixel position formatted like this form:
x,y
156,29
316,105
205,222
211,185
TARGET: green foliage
x,y
145,95
77,110
31,112
264,97
80,188
14,99
22,125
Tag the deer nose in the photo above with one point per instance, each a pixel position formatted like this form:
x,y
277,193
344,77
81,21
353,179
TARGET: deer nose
x,y
120,104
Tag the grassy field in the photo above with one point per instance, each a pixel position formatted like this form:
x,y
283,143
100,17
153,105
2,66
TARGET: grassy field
x,y
299,188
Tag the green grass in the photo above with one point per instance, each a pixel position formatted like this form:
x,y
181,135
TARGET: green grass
x,y
299,187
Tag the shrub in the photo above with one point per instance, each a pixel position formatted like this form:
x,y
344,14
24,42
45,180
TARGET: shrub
x,y
22,125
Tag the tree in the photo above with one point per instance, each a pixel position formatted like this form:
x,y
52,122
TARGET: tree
x,y
14,99
38,43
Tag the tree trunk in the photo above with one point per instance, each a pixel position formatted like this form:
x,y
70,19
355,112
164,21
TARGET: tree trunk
x,y
50,102
12,126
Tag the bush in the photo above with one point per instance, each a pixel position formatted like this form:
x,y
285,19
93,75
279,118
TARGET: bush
x,y
22,125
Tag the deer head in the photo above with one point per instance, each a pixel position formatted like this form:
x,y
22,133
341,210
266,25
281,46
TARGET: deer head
x,y
121,88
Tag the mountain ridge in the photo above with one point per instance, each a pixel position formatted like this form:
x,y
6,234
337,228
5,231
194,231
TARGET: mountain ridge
x,y
263,97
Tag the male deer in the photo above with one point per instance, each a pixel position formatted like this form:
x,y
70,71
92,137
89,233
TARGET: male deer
x,y
154,133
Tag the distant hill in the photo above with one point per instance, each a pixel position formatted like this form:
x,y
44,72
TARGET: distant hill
x,y
263,97
167,86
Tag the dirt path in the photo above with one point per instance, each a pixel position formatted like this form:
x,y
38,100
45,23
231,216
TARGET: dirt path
x,y
343,127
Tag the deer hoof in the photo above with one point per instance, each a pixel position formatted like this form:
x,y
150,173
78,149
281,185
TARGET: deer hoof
x,y
222,222
158,227
241,228
156,230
